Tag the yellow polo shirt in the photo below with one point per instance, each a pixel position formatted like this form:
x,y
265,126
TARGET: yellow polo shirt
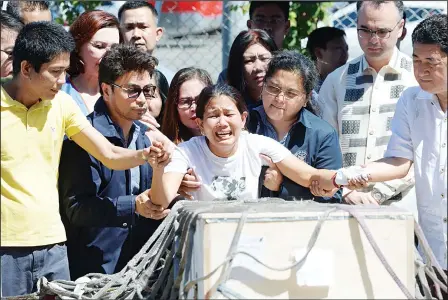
x,y
31,142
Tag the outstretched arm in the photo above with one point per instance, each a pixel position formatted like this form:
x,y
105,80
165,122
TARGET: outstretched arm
x,y
113,157
384,169
303,174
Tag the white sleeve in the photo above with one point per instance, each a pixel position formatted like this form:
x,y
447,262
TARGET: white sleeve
x,y
179,162
269,147
328,102
400,143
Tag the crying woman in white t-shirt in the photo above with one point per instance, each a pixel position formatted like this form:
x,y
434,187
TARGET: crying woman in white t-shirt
x,y
226,158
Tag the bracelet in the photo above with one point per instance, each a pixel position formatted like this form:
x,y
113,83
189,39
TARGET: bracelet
x,y
143,156
333,179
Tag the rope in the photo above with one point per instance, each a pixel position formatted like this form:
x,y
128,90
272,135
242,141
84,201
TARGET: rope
x,y
159,269
350,209
233,252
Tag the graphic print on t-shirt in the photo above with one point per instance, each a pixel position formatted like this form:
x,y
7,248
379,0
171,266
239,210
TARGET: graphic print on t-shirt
x,y
229,187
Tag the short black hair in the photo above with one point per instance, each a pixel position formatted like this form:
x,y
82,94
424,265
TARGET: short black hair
x,y
134,5
40,42
16,7
291,61
283,5
320,37
122,59
9,22
398,4
432,31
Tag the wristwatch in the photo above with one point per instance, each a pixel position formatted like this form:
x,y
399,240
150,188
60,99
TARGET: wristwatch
x,y
378,196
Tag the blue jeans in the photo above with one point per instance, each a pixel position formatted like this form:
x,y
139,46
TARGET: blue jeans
x,y
23,266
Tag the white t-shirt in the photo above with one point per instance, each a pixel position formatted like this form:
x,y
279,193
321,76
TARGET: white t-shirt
x,y
235,177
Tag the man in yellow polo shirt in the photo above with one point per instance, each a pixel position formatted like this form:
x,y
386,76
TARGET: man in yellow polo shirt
x,y
35,117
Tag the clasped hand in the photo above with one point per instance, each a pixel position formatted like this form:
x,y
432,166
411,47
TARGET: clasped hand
x,y
158,157
323,184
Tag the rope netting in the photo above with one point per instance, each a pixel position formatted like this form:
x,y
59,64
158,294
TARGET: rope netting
x,y
157,270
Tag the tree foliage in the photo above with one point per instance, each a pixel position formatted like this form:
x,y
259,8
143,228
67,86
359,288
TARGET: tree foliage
x,y
304,17
68,11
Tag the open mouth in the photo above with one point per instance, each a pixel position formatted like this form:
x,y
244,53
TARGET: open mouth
x,y
193,118
223,134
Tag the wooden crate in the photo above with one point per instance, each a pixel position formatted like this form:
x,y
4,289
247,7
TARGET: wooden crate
x,y
342,264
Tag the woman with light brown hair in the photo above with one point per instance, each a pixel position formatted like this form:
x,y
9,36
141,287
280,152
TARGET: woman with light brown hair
x,y
94,33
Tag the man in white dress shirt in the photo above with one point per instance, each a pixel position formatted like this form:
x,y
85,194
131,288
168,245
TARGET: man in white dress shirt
x,y
419,134
359,99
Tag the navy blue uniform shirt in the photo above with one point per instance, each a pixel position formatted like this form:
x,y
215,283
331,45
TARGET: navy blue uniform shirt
x,y
97,205
312,140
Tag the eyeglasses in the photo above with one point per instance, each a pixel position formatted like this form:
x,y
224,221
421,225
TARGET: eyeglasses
x,y
135,91
383,34
7,52
274,22
275,91
186,103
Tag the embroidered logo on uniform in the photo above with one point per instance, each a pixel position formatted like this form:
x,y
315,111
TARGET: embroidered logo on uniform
x,y
301,154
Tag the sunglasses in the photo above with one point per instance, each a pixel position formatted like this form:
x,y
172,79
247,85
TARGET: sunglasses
x,y
135,91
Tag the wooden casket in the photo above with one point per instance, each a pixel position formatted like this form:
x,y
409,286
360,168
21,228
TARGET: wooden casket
x,y
341,264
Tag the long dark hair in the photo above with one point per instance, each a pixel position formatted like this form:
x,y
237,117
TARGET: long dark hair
x,y
162,86
235,67
172,127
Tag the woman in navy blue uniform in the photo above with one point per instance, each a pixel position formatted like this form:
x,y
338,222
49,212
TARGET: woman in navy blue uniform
x,y
286,117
